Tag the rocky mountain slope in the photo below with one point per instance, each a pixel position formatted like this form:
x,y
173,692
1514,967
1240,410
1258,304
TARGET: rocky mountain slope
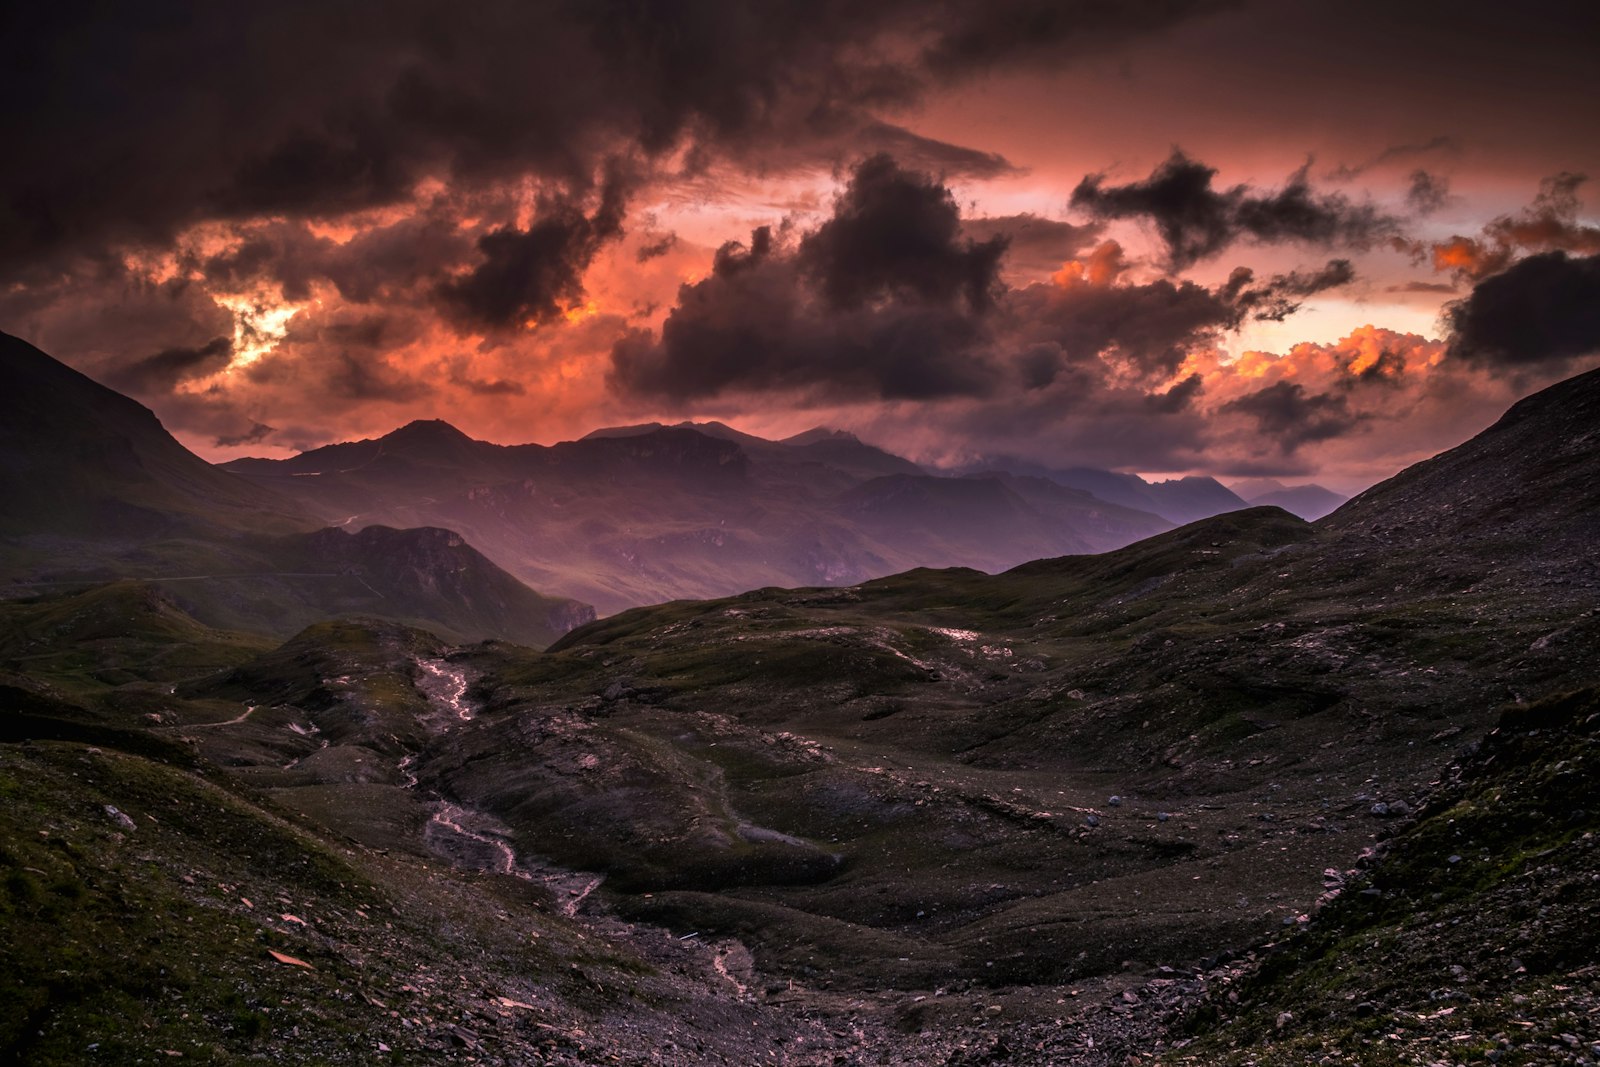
x,y
1469,934
97,491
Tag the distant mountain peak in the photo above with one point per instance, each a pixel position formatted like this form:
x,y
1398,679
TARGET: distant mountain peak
x,y
820,433
635,430
427,431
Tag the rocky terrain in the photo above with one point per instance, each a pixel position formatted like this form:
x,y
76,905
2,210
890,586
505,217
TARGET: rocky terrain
x,y
1254,790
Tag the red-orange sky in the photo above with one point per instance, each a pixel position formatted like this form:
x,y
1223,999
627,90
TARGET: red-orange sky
x,y
1315,241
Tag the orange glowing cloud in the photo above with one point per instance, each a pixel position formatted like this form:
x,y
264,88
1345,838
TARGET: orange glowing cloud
x,y
1101,268
1466,256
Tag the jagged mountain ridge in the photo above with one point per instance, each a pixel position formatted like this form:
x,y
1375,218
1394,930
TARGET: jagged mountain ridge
x,y
1179,500
98,491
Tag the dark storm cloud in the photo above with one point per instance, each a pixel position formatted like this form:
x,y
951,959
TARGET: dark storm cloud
x,y
757,324
1282,294
1197,221
484,386
1427,192
1291,416
257,433
925,153
380,263
1033,242
656,247
160,372
896,233
129,122
532,276
885,298
1044,31
357,376
1150,328
1178,398
1147,329
1541,309
889,299
1440,145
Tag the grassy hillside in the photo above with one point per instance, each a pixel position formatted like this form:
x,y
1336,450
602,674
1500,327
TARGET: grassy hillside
x,y
1469,937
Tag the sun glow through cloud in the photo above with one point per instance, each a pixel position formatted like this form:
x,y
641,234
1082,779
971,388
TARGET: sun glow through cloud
x,y
260,323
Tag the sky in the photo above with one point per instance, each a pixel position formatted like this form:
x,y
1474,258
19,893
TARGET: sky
x,y
1310,241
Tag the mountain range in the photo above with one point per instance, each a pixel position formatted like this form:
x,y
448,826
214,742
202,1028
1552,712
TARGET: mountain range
x,y
634,515
643,514
623,517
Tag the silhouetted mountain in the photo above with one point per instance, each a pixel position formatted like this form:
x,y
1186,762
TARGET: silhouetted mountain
x,y
1178,500
98,491
80,460
1310,502
1195,497
642,514
848,453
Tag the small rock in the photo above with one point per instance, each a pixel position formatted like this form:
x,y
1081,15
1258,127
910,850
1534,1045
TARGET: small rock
x,y
120,818
1114,801
1162,816
288,960
1091,820
1380,809
1284,1019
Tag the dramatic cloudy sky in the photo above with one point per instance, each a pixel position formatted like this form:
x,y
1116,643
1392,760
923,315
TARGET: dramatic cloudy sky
x,y
1302,240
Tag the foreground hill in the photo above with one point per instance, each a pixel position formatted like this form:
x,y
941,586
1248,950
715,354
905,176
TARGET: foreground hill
x,y
97,491
643,514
